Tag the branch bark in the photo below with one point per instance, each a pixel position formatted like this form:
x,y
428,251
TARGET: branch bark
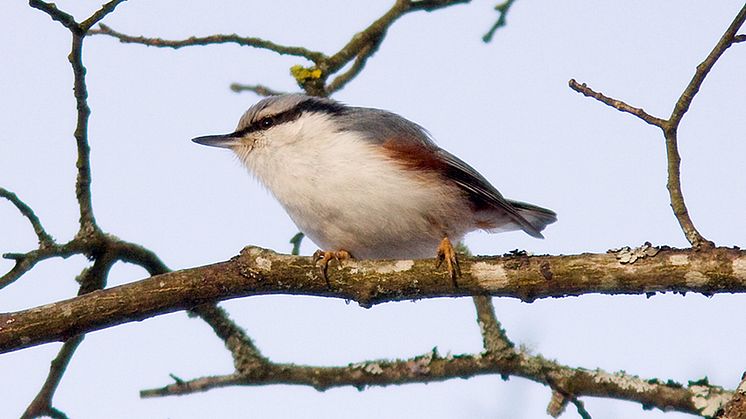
x,y
258,271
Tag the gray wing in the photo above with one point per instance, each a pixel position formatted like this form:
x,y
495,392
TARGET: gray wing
x,y
487,197
382,126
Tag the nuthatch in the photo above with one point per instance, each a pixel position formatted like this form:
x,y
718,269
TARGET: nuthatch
x,y
368,183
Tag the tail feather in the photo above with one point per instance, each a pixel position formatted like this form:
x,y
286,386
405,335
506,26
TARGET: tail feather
x,y
531,219
537,216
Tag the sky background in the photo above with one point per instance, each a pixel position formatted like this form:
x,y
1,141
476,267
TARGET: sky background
x,y
503,107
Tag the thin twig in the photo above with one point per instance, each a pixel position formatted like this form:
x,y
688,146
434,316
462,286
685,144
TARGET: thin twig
x,y
503,9
88,224
685,100
377,31
361,59
246,356
42,403
580,406
671,130
24,262
45,240
670,127
494,338
256,88
617,104
296,241
360,48
101,13
314,56
67,20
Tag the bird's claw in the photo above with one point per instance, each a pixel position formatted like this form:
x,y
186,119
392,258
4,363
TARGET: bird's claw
x,y
325,257
447,253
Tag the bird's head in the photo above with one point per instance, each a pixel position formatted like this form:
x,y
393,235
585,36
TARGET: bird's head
x,y
276,121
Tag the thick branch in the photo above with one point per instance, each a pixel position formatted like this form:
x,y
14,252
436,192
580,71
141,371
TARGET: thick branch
x,y
736,407
260,272
91,279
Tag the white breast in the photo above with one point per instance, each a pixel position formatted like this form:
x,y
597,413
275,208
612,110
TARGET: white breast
x,y
343,193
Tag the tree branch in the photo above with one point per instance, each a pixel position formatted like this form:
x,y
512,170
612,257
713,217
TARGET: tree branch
x,y
42,403
314,56
360,48
262,272
617,104
503,9
494,339
670,126
45,240
697,398
88,224
91,279
736,407
256,88
703,69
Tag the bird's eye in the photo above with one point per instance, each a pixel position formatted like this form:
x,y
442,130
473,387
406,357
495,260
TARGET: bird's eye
x,y
266,122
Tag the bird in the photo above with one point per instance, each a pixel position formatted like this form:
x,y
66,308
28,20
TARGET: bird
x,y
366,183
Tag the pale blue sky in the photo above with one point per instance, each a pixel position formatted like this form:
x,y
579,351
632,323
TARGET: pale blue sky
x,y
503,107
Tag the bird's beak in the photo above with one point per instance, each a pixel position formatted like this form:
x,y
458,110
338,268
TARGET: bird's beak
x,y
223,140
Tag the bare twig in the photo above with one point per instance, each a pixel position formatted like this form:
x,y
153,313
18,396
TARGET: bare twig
x,y
366,52
314,56
580,406
262,272
685,100
88,224
246,355
42,403
45,240
494,338
617,104
360,48
256,88
432,367
670,127
26,261
503,9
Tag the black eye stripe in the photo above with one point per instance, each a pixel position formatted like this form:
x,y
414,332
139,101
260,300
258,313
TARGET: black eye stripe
x,y
309,105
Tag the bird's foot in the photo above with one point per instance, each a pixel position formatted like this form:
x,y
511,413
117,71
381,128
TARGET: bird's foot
x,y
448,253
325,257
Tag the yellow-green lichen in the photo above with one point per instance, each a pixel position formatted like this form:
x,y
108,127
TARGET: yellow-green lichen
x,y
303,74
